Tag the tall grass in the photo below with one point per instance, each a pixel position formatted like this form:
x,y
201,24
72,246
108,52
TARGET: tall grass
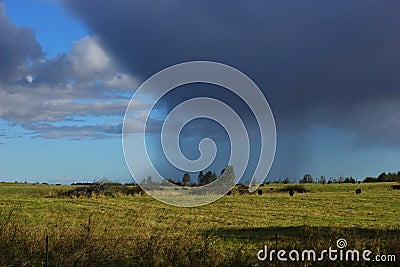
x,y
139,231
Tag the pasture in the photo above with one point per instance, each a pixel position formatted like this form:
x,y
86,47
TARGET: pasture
x,y
122,230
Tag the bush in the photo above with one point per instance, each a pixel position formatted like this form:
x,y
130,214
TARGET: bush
x,y
101,189
297,188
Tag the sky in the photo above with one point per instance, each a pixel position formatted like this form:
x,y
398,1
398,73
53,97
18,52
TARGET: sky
x,y
68,69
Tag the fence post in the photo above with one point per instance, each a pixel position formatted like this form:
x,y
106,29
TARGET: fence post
x,y
205,247
276,245
47,251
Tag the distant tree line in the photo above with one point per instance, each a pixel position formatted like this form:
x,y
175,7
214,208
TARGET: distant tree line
x,y
203,178
384,177
206,177
322,180
308,179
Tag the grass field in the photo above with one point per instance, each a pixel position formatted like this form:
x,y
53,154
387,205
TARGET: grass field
x,y
140,231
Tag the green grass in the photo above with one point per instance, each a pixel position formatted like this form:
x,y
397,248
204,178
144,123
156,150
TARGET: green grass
x,y
140,231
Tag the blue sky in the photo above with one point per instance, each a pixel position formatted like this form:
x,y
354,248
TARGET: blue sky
x,y
26,158
48,19
68,71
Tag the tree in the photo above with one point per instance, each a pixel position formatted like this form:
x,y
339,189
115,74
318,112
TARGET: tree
x,y
147,181
222,172
382,177
209,177
165,182
229,176
286,180
350,180
307,179
186,179
201,178
214,177
369,180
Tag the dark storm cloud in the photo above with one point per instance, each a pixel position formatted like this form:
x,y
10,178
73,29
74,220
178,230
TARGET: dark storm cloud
x,y
332,63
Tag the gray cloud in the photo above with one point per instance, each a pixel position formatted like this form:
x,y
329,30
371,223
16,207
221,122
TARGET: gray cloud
x,y
333,64
87,66
35,91
18,48
2,135
50,131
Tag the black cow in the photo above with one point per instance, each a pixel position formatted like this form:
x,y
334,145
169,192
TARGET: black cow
x,y
291,192
358,191
396,187
259,192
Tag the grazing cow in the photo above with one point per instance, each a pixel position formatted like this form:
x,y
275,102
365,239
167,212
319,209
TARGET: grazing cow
x,y
358,191
229,193
291,192
259,192
396,187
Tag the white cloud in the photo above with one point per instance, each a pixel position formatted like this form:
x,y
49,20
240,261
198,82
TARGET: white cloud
x,y
87,57
29,78
45,96
85,82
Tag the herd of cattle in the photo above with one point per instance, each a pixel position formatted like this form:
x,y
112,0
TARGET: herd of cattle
x,y
243,190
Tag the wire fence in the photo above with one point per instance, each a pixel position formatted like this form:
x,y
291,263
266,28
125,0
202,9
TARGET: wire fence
x,y
275,240
208,237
